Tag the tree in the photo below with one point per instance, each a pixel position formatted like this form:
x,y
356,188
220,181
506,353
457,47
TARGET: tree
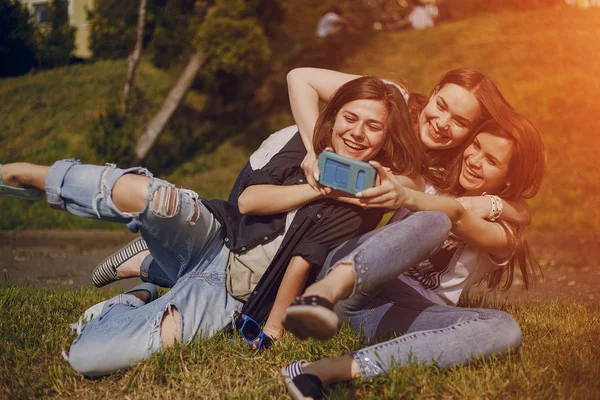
x,y
113,28
169,106
134,57
174,22
233,49
17,39
56,38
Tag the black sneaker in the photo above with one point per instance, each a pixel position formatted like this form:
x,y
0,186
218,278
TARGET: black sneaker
x,y
301,386
311,317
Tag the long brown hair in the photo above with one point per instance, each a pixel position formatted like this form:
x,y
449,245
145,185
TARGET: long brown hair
x,y
527,164
402,151
444,163
525,174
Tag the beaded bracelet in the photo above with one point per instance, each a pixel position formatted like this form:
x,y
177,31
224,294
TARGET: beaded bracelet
x,y
497,207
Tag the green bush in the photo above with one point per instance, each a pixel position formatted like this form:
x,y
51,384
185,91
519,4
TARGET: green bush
x,y
168,45
173,22
236,41
113,28
56,38
113,137
237,47
17,39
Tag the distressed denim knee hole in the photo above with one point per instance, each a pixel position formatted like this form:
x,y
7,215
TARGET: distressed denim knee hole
x,y
196,214
170,327
165,202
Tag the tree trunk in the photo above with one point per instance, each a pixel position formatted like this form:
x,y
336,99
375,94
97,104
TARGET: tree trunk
x,y
171,103
134,58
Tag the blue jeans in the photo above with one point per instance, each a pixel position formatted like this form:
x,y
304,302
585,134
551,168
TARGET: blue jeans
x,y
382,306
191,252
153,272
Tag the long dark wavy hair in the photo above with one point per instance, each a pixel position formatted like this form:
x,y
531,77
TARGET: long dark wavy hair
x,y
526,170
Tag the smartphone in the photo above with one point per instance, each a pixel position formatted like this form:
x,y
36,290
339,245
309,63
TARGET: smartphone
x,y
345,173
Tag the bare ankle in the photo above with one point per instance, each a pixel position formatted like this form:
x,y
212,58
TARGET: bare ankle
x,y
316,369
336,286
309,368
322,290
131,268
331,370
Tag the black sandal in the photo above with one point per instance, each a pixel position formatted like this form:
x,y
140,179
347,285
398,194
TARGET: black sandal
x,y
311,316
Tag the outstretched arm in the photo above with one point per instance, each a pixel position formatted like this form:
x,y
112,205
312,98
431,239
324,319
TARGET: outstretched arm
x,y
275,199
480,206
488,236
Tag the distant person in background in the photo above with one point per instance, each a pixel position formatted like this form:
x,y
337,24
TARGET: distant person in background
x,y
422,16
332,23
583,3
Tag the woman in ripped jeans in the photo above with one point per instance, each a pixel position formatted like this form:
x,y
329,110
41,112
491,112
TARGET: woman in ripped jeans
x,y
193,238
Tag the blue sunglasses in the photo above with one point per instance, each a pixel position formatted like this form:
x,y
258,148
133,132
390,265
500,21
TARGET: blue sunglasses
x,y
252,332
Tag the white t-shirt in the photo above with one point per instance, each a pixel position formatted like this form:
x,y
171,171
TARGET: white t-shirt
x,y
422,17
271,146
451,270
328,24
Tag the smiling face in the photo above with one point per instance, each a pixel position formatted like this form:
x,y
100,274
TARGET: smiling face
x,y
445,121
360,130
485,164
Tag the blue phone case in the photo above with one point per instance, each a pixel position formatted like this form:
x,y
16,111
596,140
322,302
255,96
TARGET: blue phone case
x,y
344,173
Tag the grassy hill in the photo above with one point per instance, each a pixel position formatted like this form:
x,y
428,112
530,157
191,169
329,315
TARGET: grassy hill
x,y
53,115
545,61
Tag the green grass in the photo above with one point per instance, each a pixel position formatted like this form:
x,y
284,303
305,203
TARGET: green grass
x,y
560,358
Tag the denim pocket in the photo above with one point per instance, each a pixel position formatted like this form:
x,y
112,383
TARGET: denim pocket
x,y
212,278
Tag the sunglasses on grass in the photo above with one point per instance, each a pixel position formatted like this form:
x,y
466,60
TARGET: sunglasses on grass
x,y
252,332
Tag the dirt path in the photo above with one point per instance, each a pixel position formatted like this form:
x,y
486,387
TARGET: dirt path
x,y
571,268
50,259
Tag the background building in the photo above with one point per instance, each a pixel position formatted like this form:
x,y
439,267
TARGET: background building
x,y
77,17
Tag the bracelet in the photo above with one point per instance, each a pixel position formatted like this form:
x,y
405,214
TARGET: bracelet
x,y
497,207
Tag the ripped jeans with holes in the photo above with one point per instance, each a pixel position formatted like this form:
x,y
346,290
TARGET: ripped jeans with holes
x,y
183,237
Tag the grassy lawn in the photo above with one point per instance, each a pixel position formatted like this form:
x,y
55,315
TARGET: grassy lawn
x,y
560,358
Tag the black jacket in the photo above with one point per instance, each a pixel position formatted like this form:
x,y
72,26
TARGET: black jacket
x,y
317,227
